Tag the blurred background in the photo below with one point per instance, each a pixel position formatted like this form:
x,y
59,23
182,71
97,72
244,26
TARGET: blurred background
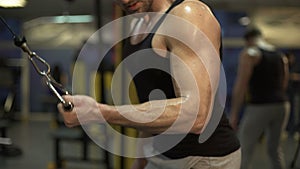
x,y
56,31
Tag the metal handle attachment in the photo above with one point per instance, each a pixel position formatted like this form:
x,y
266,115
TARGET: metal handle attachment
x,y
46,72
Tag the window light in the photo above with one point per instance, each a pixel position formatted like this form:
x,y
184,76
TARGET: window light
x,y
12,3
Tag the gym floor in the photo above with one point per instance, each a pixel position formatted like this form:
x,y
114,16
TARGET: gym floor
x,y
34,139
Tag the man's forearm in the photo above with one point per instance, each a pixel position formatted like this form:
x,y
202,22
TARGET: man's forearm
x,y
153,117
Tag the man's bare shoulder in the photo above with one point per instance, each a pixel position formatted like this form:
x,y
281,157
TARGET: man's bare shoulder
x,y
196,12
250,55
201,17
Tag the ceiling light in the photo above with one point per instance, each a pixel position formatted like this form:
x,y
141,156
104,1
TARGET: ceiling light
x,y
64,19
12,3
245,21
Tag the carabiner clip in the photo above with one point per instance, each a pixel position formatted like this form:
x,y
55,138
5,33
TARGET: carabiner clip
x,y
68,106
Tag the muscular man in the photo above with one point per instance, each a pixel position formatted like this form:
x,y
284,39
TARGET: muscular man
x,y
187,73
264,71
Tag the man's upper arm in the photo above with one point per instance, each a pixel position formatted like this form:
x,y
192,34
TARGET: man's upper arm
x,y
245,68
195,63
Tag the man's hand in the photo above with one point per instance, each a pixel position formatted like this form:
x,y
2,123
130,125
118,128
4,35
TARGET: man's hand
x,y
86,110
139,163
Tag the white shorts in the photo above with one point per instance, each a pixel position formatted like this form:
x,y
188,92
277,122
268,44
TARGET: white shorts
x,y
230,161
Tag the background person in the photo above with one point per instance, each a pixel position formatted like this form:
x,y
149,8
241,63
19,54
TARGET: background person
x,y
264,72
294,95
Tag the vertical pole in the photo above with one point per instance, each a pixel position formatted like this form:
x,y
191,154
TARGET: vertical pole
x,y
98,13
25,87
118,59
123,90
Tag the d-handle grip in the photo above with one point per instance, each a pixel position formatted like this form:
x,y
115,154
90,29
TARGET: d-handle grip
x,y
68,106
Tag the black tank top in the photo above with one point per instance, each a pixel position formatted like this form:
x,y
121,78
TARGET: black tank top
x,y
266,83
222,142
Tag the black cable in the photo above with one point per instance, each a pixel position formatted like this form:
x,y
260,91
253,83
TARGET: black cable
x,y
7,26
17,40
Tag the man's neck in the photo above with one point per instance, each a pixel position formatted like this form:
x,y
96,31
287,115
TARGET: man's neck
x,y
161,5
158,6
